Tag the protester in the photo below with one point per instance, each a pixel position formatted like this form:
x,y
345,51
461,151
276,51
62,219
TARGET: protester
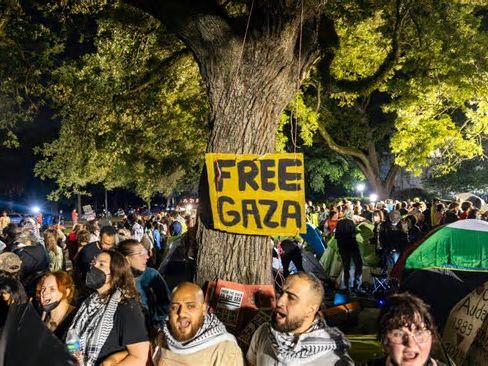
x,y
94,229
34,259
175,227
290,252
466,206
191,336
11,292
474,213
451,214
53,249
297,335
331,223
137,231
110,323
55,291
10,264
74,217
90,251
406,330
345,234
4,220
151,286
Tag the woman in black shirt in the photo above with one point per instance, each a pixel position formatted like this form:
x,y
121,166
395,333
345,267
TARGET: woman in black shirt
x,y
110,321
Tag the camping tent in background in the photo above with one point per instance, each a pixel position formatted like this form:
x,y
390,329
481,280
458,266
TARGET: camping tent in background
x,y
477,202
313,237
312,265
462,245
331,260
440,288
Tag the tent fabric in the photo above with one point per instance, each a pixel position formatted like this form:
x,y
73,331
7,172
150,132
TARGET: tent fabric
x,y
461,245
441,289
313,238
312,265
331,260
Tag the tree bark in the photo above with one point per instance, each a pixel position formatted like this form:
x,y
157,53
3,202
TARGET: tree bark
x,y
250,78
245,113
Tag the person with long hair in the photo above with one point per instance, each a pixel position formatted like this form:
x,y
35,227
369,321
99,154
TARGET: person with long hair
x,y
55,291
110,323
151,286
53,250
11,293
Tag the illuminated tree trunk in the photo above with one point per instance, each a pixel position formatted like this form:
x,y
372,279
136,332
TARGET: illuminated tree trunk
x,y
250,78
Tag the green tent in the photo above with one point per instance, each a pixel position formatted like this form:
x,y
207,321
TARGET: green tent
x,y
331,260
461,245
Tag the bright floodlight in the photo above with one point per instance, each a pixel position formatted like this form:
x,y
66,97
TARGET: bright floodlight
x,y
361,187
36,209
373,197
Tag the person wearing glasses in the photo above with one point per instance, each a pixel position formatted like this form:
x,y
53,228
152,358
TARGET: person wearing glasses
x,y
407,331
151,286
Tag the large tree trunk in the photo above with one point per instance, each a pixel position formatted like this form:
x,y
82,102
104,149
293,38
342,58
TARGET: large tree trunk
x,y
245,113
251,69
382,187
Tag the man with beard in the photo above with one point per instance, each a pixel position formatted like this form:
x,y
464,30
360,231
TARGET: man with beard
x,y
297,335
191,336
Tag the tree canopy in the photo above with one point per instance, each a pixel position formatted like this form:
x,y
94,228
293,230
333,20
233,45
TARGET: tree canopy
x,y
428,107
133,111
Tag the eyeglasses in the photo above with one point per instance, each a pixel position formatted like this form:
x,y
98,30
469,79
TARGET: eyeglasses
x,y
141,253
398,336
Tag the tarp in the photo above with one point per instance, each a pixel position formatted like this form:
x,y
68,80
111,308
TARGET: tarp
x,y
462,245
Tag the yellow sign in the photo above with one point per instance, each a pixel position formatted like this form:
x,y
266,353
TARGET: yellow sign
x,y
257,194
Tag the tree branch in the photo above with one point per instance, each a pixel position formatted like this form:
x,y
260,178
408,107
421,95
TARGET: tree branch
x,y
390,177
155,75
368,84
201,25
344,150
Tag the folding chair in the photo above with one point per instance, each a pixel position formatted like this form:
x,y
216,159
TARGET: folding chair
x,y
380,282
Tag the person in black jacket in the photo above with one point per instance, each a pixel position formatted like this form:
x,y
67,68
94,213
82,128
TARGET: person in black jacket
x,y
35,260
345,234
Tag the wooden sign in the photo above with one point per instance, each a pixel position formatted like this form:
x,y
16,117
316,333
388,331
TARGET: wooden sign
x,y
257,194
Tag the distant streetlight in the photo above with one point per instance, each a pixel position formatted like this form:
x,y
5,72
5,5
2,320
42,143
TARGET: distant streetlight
x,y
373,197
361,187
36,209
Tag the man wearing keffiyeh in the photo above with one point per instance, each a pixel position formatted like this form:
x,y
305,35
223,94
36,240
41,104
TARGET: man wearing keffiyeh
x,y
191,336
297,335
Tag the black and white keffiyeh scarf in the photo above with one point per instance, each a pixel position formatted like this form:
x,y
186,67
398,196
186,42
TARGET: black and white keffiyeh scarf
x,y
212,332
320,338
93,323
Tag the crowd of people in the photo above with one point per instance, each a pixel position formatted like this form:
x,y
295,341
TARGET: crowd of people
x,y
101,287
397,224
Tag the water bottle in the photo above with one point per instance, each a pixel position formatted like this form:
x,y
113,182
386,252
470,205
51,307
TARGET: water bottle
x,y
73,345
